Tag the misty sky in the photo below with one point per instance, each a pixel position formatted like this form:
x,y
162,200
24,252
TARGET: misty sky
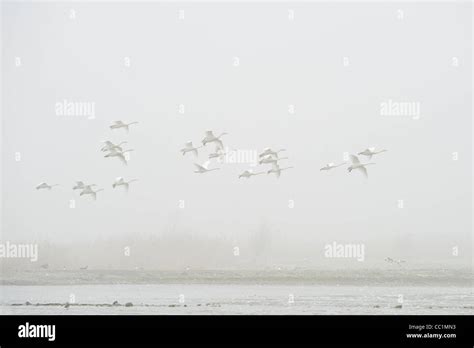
x,y
281,63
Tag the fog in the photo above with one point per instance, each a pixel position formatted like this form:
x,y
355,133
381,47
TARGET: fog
x,y
311,78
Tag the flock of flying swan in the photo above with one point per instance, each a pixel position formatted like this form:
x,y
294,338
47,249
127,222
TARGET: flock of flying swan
x,y
111,150
116,150
209,138
356,163
268,156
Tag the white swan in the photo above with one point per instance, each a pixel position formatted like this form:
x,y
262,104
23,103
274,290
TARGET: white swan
x,y
271,160
331,165
248,173
44,185
121,182
109,146
202,168
277,170
370,152
267,151
120,124
211,138
188,147
89,191
357,165
119,155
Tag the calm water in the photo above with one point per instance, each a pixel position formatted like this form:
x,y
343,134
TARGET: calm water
x,y
366,291
235,299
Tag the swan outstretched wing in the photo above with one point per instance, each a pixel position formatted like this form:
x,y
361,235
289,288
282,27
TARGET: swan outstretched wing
x,y
363,170
200,167
354,159
122,158
264,152
219,144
